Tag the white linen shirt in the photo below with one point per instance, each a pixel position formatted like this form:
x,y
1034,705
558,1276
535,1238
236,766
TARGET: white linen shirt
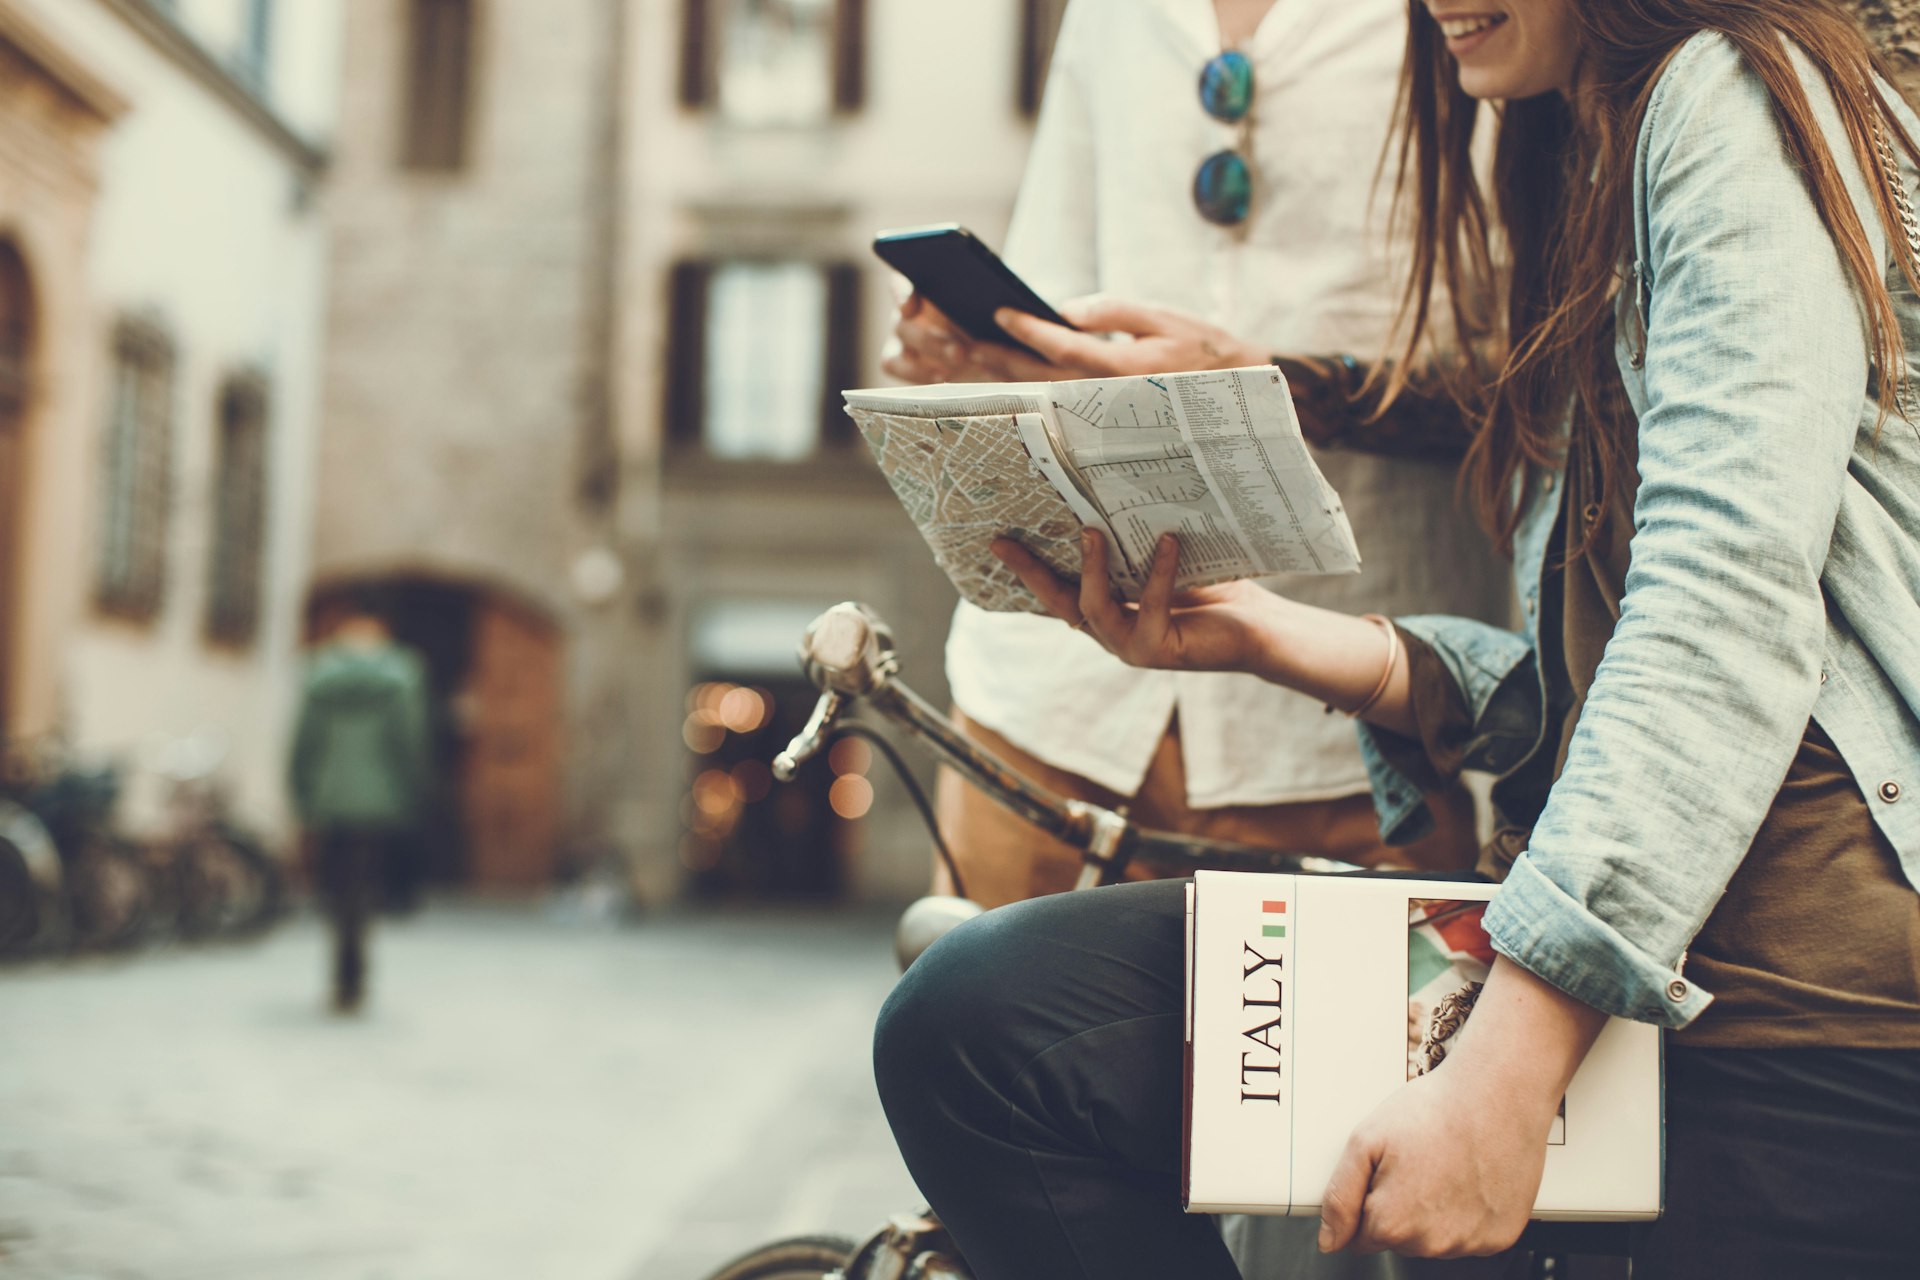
x,y
1106,205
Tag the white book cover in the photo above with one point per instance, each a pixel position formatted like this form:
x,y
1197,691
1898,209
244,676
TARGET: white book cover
x,y
1311,998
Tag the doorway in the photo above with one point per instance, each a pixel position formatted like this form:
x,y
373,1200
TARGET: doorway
x,y
16,395
495,675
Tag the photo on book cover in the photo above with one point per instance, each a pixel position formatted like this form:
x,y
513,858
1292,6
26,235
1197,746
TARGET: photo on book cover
x,y
1449,956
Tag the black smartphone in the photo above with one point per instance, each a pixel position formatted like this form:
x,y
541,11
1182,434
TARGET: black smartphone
x,y
957,273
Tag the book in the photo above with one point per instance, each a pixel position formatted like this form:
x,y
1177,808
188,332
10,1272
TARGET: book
x,y
1214,457
1311,998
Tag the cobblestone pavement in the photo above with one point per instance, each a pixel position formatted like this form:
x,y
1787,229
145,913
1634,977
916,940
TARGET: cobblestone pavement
x,y
526,1097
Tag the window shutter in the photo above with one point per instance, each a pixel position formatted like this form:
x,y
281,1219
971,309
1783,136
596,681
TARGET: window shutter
x,y
843,348
239,513
439,75
687,351
849,54
1039,27
697,54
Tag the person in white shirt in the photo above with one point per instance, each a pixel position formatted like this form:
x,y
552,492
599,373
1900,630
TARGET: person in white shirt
x,y
1291,259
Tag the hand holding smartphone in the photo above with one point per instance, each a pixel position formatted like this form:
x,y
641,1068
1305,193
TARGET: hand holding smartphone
x,y
956,272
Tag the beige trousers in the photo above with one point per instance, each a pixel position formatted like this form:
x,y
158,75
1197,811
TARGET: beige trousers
x,y
1004,858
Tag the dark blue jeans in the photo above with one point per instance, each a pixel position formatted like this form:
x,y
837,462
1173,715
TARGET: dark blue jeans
x,y
1030,1065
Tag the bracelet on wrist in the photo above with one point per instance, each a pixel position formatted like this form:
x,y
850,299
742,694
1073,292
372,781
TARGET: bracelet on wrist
x,y
1386,673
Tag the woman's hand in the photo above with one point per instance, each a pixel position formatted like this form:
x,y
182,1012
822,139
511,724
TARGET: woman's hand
x,y
1450,1164
1223,628
1444,1168
927,346
1163,340
1236,626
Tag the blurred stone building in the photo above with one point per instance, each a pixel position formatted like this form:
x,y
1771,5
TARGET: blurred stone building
x,y
600,269
162,265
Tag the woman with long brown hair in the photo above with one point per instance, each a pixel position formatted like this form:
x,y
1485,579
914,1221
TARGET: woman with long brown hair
x,y
1688,306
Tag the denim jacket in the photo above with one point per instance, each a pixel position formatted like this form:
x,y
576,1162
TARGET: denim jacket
x,y
1775,565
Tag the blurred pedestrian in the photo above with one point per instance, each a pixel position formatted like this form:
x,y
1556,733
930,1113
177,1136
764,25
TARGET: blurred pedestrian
x,y
361,774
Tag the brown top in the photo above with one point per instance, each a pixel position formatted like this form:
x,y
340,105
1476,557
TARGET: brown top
x,y
1817,940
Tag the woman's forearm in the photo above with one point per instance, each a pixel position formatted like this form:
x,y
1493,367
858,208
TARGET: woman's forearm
x,y
1337,658
1526,1037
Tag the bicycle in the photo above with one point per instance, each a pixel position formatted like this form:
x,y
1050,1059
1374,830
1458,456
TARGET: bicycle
x,y
32,913
96,892
215,879
848,654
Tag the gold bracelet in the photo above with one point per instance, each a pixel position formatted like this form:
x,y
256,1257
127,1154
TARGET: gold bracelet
x,y
1386,675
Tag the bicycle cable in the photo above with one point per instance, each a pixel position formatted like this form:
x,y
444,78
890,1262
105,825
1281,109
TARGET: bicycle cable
x,y
854,729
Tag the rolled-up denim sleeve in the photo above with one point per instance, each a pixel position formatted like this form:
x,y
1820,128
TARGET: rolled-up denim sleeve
x,y
1492,671
1756,370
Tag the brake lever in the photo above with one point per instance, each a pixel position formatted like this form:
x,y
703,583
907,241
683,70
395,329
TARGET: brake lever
x,y
807,743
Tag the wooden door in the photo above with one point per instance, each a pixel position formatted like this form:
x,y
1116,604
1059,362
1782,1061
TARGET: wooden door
x,y
16,356
511,705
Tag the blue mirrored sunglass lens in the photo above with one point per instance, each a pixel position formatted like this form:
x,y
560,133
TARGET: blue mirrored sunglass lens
x,y
1223,188
1226,86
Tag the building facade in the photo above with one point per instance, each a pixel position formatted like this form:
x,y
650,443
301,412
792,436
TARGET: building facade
x,y
600,270
162,261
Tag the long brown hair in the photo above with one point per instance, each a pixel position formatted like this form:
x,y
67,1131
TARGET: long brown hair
x,y
1557,245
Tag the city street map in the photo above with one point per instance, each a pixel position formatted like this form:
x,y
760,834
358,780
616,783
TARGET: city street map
x,y
1216,458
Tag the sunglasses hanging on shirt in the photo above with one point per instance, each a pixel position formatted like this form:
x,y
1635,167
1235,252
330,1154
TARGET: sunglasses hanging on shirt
x,y
1223,187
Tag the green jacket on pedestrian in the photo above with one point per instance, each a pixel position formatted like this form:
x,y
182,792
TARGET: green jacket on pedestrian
x,y
362,756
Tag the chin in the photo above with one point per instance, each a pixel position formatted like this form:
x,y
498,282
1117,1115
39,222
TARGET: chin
x,y
1488,85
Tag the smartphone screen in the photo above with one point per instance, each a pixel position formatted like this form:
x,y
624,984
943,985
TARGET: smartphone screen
x,y
956,272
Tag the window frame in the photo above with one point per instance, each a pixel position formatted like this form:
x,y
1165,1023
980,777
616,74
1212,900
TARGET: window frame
x,y
130,568
702,47
688,312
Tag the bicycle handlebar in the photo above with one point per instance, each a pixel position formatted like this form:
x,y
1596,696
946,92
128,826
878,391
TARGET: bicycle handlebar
x,y
848,653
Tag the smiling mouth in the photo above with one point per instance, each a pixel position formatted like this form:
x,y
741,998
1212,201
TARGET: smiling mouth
x,y
1460,28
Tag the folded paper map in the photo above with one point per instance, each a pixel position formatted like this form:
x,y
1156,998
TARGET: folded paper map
x,y
1216,458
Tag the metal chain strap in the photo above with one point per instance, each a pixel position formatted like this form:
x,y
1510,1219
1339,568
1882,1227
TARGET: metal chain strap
x,y
1902,205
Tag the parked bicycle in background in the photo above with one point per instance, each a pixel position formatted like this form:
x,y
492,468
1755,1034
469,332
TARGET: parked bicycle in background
x,y
67,879
72,880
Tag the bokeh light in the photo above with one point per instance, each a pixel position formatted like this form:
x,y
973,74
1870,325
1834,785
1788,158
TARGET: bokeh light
x,y
743,710
850,755
754,779
851,796
703,733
